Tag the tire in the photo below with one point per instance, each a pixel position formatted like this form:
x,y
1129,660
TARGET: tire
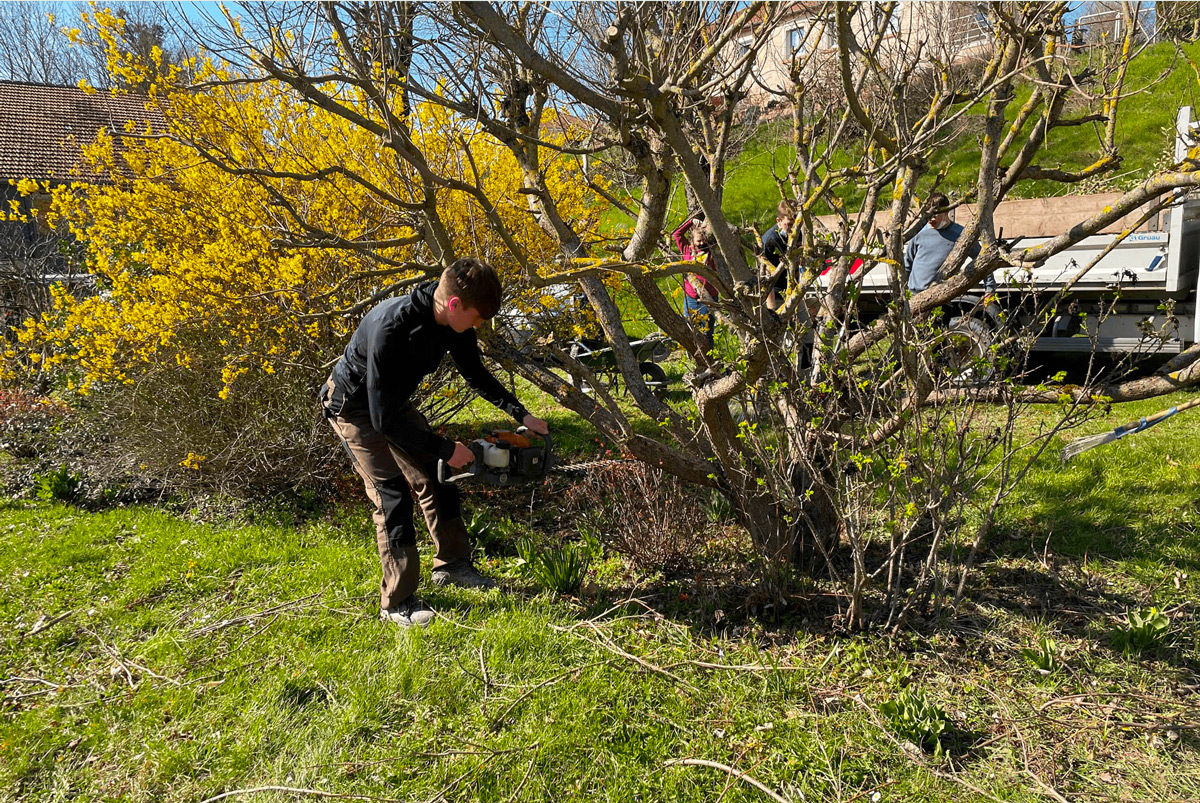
x,y
654,377
965,356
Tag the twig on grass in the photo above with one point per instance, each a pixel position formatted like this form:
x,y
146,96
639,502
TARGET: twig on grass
x,y
221,673
43,626
503,715
356,612
1107,718
623,603
207,682
298,791
1045,787
328,692
1084,698
741,776
125,663
12,698
444,794
739,667
125,695
442,617
116,656
154,674
249,638
730,780
488,750
1025,751
487,683
609,645
354,766
250,617
188,612
528,772
41,681
916,757
872,790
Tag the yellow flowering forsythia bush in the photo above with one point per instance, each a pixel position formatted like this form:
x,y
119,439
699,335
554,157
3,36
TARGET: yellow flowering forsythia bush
x,y
182,249
211,289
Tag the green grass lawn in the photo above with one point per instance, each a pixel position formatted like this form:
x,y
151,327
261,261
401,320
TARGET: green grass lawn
x,y
193,659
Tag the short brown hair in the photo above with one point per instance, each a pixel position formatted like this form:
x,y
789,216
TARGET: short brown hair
x,y
786,207
938,203
476,283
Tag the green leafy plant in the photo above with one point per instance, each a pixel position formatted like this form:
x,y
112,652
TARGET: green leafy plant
x,y
899,676
481,526
62,485
495,535
561,569
1044,657
913,716
718,509
1141,631
855,657
589,537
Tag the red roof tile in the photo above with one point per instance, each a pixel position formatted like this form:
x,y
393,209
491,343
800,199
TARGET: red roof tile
x,y
794,9
42,127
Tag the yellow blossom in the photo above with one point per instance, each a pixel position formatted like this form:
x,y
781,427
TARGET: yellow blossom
x,y
193,461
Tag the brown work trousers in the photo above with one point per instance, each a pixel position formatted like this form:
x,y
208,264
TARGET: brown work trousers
x,y
389,474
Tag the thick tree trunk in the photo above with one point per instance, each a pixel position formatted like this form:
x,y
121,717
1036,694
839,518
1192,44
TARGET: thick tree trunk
x,y
815,535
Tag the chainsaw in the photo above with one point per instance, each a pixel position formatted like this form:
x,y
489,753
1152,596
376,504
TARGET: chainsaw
x,y
502,458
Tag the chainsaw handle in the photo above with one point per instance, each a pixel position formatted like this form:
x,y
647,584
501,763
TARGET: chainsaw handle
x,y
446,478
546,458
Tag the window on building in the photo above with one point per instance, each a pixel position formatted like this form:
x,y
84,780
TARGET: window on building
x,y
741,48
39,207
893,23
795,40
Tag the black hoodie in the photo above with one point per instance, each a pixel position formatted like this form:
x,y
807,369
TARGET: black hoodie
x,y
397,345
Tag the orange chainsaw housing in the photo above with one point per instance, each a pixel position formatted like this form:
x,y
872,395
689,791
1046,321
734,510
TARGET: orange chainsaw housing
x,y
511,438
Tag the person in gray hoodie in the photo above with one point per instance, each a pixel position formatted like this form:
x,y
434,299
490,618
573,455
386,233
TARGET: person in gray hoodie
x,y
927,252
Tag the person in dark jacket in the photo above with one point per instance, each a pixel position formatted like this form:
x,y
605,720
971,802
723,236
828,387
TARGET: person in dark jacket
x,y
775,245
368,400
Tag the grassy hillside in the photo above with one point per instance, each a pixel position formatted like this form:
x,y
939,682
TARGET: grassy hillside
x,y
1160,81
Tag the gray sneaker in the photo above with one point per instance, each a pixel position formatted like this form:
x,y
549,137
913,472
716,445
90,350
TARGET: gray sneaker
x,y
412,612
461,574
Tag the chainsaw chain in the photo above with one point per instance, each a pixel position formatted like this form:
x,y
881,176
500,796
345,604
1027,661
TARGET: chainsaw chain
x,y
579,468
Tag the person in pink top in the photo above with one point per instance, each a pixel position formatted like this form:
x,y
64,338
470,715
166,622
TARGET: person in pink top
x,y
695,244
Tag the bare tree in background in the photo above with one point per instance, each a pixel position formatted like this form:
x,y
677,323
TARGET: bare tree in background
x,y
35,48
33,257
1179,20
868,450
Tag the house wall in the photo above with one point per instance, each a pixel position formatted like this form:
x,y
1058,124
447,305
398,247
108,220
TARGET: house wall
x,y
945,33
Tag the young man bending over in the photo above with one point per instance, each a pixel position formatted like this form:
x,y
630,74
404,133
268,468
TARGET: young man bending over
x,y
368,400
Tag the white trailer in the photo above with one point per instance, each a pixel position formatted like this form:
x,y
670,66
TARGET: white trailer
x,y
1139,297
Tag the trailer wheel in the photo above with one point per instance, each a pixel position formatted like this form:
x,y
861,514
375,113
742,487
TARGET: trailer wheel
x,y
964,352
654,377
